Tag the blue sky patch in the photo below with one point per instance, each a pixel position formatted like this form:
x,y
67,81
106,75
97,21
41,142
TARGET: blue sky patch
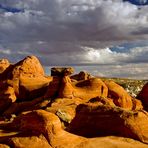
x,y
138,2
10,9
125,47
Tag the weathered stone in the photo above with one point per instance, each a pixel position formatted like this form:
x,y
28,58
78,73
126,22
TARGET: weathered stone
x,y
7,97
53,88
18,107
49,125
102,120
120,97
137,104
4,146
143,96
30,66
111,142
34,141
65,108
32,87
81,76
4,64
61,71
86,89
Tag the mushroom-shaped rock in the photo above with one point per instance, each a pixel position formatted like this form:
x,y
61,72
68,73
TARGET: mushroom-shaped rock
x,y
143,96
61,71
120,97
86,89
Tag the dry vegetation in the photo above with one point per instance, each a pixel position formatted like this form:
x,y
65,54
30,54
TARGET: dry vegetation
x,y
132,86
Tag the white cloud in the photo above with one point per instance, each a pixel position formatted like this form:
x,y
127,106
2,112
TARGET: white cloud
x,y
107,56
77,19
73,31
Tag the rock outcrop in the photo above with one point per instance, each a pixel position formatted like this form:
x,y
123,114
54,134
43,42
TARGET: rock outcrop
x,y
62,111
30,66
94,120
7,97
41,128
143,96
120,97
86,89
27,79
81,76
4,64
59,71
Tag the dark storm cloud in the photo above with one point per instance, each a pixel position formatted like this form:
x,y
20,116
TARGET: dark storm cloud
x,y
72,32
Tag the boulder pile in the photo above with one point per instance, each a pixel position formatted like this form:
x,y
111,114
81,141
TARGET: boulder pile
x,y
67,110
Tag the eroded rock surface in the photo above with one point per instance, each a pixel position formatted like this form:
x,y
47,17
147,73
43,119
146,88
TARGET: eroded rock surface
x,y
94,120
64,111
143,96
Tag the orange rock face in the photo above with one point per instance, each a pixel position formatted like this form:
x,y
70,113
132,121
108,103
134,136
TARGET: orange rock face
x,y
102,120
4,64
59,71
86,89
7,97
34,141
120,97
35,89
81,76
143,96
29,66
63,111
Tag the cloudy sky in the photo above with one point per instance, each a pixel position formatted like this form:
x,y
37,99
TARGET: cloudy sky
x,y
106,37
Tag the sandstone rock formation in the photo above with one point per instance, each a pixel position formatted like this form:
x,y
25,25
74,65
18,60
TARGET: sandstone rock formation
x,y
120,97
42,128
59,71
7,97
86,89
143,96
94,120
81,76
4,64
64,111
30,66
22,73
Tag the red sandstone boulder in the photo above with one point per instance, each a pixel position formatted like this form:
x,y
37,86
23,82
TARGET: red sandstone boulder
x,y
27,78
33,141
32,87
19,107
49,125
120,97
7,97
53,88
86,89
4,146
4,64
60,71
29,66
81,76
40,128
94,120
143,96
